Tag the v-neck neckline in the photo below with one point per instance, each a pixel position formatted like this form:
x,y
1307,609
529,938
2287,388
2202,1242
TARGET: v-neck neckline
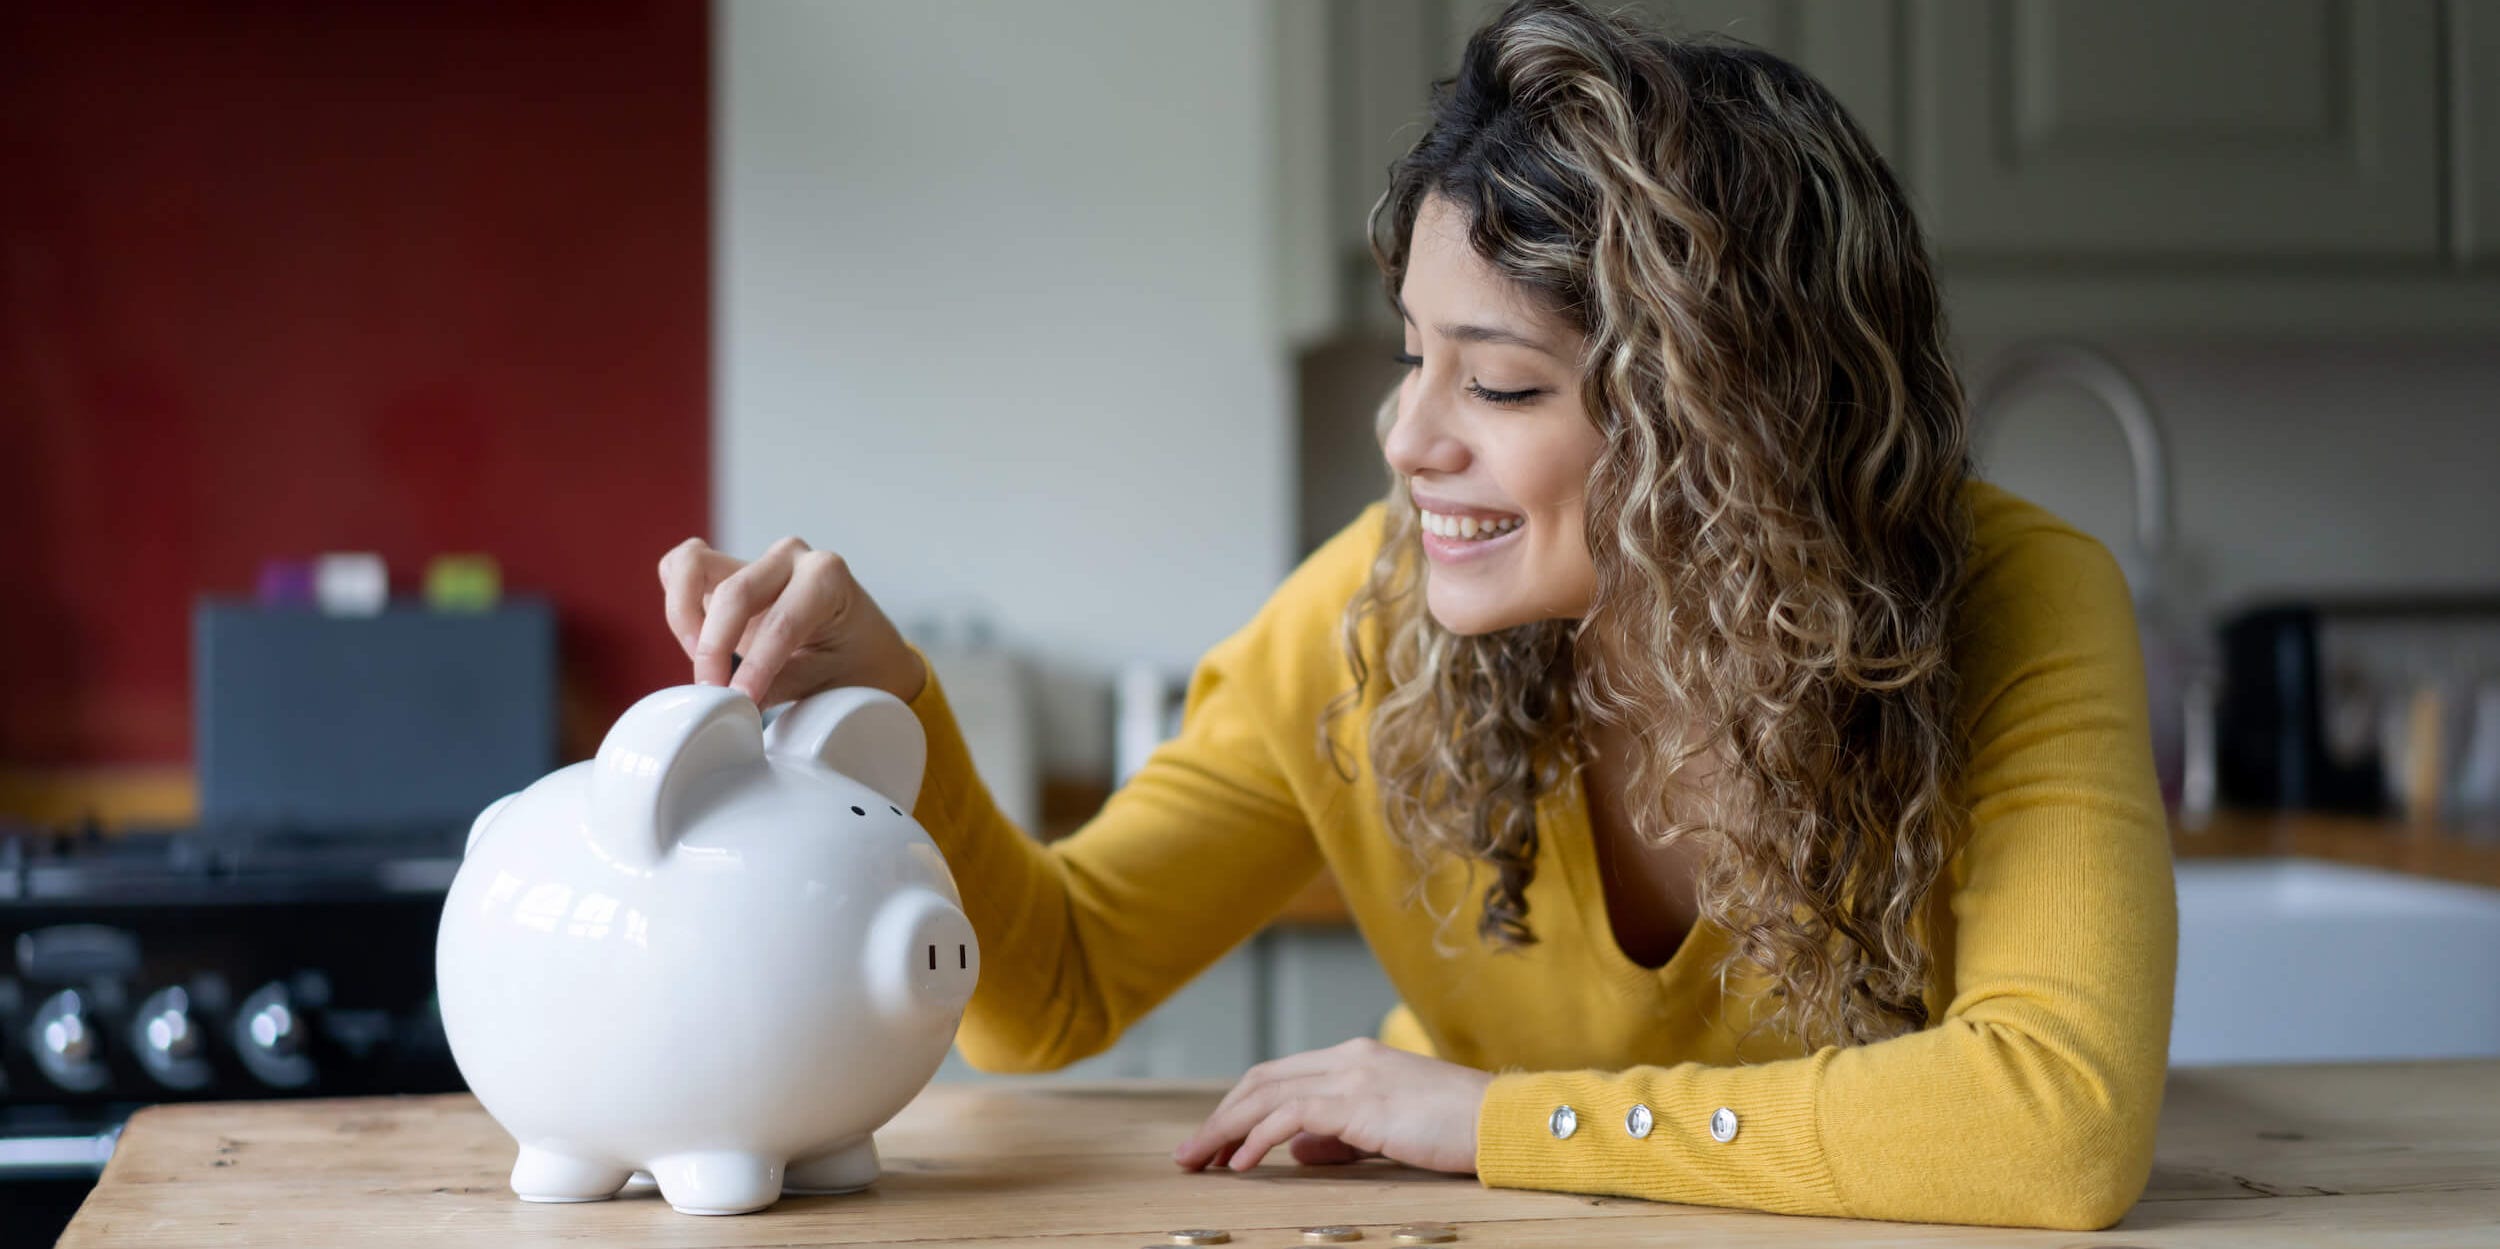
x,y
1572,837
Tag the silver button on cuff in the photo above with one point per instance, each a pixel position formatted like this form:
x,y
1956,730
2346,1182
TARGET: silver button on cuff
x,y
1723,1125
1638,1121
1564,1122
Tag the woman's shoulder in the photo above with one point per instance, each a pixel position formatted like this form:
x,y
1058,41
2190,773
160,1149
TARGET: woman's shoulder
x,y
2037,591
2020,549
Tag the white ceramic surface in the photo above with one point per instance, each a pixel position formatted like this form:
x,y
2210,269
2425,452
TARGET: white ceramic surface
x,y
718,953
2292,960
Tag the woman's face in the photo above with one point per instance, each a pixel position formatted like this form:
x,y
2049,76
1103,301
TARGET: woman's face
x,y
1491,438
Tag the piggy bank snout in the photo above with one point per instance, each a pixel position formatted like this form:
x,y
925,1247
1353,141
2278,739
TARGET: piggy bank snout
x,y
922,958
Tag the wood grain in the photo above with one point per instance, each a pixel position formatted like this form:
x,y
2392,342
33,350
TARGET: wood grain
x,y
2401,1155
2429,851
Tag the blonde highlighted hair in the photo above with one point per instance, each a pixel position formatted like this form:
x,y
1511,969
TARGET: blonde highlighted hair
x,y
1776,519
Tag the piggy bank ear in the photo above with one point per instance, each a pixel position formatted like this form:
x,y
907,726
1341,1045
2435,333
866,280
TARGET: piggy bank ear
x,y
859,731
659,750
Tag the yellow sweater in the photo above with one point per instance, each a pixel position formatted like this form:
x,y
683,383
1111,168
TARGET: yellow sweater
x,y
2029,1102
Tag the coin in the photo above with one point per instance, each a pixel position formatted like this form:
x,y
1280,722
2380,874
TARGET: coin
x,y
1425,1234
1331,1235
1201,1236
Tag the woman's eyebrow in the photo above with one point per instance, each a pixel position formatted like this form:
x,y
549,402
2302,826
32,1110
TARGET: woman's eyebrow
x,y
1492,334
1478,333
1482,333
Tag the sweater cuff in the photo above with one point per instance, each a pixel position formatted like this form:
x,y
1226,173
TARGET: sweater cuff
x,y
1772,1158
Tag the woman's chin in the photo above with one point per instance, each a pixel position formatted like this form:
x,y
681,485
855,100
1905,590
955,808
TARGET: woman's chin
x,y
1469,614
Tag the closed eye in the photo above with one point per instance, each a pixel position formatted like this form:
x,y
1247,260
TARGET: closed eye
x,y
1499,398
1503,398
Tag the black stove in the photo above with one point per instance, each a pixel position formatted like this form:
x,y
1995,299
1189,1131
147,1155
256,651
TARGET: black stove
x,y
206,963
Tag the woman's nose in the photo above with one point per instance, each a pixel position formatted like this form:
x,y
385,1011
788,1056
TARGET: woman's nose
x,y
1420,439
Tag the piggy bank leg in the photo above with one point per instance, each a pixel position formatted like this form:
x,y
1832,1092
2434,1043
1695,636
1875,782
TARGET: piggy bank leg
x,y
718,1181
844,1169
546,1175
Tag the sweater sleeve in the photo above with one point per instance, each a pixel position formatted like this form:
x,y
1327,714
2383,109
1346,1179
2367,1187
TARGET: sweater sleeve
x,y
2032,1100
1081,937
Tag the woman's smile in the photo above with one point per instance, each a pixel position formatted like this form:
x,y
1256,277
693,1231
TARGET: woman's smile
x,y
1451,540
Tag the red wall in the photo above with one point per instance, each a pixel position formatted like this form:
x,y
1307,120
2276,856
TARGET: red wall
x,y
278,278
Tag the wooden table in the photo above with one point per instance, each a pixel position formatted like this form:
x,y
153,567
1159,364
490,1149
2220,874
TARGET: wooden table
x,y
2394,1155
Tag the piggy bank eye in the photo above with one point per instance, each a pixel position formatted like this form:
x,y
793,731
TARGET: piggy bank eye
x,y
857,811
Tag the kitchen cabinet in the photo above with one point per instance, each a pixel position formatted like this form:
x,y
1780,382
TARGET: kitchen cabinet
x,y
2304,129
2474,121
1289,989
1323,986
2082,167
1212,1029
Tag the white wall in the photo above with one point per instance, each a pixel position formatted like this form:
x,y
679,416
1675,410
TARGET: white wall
x,y
996,318
2297,467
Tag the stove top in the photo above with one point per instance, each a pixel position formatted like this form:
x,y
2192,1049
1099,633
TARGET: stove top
x,y
209,963
220,867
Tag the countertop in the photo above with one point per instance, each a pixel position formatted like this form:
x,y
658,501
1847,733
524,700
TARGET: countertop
x,y
2398,1156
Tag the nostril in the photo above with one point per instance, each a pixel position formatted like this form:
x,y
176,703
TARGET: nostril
x,y
933,958
963,960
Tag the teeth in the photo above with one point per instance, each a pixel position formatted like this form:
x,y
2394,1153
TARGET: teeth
x,y
1468,528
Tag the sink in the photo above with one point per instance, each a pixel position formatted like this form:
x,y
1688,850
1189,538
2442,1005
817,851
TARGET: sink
x,y
2294,960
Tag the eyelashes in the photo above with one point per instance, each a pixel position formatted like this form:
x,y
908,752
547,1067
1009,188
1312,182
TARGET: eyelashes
x,y
1502,398
1498,398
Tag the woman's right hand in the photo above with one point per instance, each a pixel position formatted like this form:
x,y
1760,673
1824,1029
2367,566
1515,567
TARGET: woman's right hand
x,y
795,618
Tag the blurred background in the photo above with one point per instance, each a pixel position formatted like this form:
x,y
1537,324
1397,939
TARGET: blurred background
x,y
358,362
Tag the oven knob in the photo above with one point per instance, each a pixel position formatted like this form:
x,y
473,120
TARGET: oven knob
x,y
168,1040
66,1047
271,1034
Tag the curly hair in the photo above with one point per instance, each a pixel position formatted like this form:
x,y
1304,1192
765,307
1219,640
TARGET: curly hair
x,y
1776,518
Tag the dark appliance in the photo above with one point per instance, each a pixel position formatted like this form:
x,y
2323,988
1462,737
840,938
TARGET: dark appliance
x,y
2320,697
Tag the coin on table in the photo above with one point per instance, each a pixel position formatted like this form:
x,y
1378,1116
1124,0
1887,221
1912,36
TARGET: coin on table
x,y
1331,1235
1201,1236
1425,1234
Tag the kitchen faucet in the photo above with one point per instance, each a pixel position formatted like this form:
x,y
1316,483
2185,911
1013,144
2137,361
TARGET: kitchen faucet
x,y
2179,686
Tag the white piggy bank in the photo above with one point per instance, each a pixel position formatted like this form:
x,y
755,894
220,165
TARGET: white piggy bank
x,y
720,954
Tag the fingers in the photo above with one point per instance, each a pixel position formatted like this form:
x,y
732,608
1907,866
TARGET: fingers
x,y
1289,1118
687,574
1255,1094
1227,1130
818,589
734,602
1306,1062
1204,1147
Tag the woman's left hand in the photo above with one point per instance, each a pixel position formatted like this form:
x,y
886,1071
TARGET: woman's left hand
x,y
1348,1101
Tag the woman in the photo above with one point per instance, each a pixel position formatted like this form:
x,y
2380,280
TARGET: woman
x,y
1750,808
